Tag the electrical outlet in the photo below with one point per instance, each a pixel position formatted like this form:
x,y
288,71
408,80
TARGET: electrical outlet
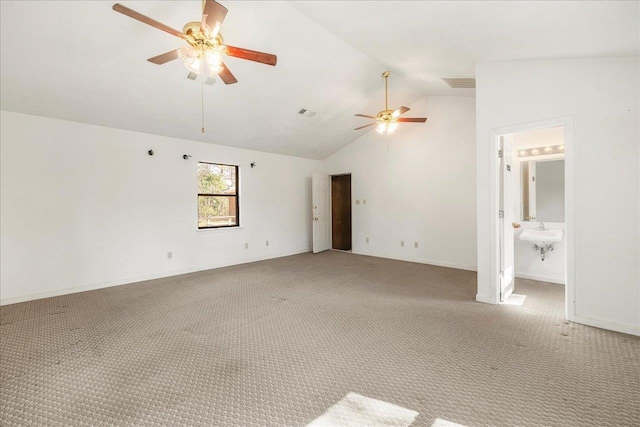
x,y
402,243
415,245
246,246
357,201
169,255
367,240
364,201
267,243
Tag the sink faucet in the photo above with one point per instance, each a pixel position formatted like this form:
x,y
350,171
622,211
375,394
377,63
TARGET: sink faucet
x,y
541,227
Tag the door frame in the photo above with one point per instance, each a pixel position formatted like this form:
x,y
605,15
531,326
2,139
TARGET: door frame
x,y
507,213
569,200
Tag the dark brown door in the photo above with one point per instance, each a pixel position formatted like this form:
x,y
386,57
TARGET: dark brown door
x,y
341,212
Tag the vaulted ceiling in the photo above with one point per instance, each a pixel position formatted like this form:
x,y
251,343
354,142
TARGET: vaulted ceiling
x,y
83,62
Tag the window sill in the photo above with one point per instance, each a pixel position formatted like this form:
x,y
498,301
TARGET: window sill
x,y
218,230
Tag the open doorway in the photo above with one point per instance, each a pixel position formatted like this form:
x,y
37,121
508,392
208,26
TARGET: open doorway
x,y
341,212
532,203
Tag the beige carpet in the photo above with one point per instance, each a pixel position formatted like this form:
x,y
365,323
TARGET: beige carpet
x,y
279,342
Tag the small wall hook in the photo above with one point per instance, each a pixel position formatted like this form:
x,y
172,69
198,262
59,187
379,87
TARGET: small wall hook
x,y
186,156
150,152
253,165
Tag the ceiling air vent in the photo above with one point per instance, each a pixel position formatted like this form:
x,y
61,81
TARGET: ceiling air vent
x,y
461,82
307,113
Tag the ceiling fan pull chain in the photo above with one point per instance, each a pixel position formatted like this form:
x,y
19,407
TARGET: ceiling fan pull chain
x,y
203,106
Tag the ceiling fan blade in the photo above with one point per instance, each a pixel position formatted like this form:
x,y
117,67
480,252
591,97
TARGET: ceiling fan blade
x,y
365,126
165,57
226,75
145,19
364,115
400,111
251,55
215,14
412,120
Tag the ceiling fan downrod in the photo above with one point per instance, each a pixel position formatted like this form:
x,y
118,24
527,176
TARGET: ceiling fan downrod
x,y
386,89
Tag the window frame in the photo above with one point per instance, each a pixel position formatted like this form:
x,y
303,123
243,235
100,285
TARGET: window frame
x,y
236,195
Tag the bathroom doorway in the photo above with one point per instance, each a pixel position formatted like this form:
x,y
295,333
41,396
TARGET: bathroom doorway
x,y
341,212
534,189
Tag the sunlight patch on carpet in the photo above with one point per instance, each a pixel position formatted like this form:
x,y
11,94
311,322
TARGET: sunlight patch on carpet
x,y
355,410
515,299
439,422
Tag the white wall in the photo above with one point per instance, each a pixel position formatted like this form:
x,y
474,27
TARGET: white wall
x,y
602,96
85,207
419,186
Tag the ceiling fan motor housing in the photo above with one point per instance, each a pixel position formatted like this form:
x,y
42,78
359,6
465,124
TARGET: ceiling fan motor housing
x,y
385,116
196,38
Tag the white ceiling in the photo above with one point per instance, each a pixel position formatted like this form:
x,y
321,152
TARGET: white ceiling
x,y
424,41
83,62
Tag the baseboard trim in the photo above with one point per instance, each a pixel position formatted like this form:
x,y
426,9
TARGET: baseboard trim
x,y
419,261
625,328
560,281
135,279
485,299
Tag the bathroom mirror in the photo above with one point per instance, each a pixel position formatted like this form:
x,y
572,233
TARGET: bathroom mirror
x,y
542,190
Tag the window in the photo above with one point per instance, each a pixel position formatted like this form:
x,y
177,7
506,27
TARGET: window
x,y
218,198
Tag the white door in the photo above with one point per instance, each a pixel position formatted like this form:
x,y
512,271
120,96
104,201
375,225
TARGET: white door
x,y
506,219
321,200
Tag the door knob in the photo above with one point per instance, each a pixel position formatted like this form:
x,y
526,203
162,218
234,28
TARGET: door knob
x,y
315,219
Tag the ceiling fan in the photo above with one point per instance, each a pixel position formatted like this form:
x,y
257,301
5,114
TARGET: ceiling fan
x,y
387,120
205,47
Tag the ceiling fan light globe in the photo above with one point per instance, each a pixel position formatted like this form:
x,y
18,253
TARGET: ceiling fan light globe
x,y
193,64
186,52
191,58
391,128
381,128
214,62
